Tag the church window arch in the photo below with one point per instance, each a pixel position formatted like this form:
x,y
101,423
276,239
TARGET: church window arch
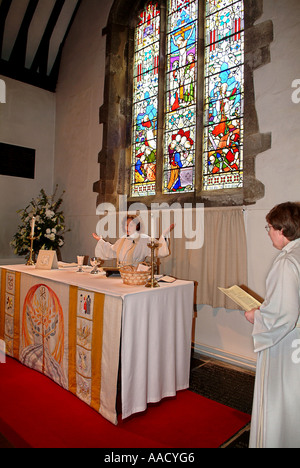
x,y
217,163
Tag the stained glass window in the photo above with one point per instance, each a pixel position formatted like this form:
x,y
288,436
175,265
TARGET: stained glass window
x,y
180,114
145,101
221,162
224,95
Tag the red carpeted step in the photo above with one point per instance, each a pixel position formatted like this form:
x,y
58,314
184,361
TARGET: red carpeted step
x,y
36,412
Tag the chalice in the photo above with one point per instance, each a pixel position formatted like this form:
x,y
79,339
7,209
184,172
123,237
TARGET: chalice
x,y
95,262
80,260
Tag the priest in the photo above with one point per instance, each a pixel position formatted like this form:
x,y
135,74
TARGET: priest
x,y
276,335
133,248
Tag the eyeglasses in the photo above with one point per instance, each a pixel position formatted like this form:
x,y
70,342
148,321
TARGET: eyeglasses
x,y
268,228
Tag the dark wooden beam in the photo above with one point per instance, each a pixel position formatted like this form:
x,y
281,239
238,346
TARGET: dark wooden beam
x,y
4,9
38,74
27,76
40,62
55,69
18,55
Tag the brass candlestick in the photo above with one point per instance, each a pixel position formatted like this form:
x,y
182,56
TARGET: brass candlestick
x,y
152,283
31,261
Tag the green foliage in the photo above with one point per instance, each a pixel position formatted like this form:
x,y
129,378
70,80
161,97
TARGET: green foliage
x,y
49,225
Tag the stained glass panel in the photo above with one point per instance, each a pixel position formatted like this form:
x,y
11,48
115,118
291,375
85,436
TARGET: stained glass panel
x,y
224,95
180,107
145,102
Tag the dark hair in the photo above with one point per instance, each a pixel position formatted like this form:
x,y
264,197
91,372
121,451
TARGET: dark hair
x,y
286,218
135,220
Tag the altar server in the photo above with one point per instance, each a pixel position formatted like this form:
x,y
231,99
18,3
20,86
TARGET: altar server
x,y
276,334
133,248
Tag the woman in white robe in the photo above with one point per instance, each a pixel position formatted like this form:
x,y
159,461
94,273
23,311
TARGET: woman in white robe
x,y
276,335
132,249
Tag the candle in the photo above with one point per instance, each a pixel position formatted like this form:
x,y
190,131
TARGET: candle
x,y
32,227
152,227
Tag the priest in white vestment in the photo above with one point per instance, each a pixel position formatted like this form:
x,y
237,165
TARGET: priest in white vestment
x,y
276,335
133,248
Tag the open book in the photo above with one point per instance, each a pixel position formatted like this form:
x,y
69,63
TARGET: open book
x,y
241,298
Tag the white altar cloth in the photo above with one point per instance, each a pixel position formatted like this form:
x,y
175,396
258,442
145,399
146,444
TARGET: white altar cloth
x,y
155,335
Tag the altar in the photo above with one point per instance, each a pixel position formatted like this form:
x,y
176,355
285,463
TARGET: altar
x,y
80,329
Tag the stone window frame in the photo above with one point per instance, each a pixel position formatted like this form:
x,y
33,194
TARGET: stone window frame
x,y
116,111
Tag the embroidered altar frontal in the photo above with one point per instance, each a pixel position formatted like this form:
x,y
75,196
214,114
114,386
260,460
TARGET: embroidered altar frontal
x,y
60,331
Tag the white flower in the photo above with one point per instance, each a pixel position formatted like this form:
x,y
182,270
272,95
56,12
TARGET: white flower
x,y
54,231
50,214
50,236
61,243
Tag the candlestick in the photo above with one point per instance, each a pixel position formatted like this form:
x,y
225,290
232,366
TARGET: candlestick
x,y
152,283
31,261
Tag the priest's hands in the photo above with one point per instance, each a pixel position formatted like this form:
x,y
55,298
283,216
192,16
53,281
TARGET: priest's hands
x,y
250,315
95,236
167,231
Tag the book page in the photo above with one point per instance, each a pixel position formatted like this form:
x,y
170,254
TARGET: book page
x,y
241,298
167,279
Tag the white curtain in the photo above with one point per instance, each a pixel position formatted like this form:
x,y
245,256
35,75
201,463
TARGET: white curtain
x,y
221,262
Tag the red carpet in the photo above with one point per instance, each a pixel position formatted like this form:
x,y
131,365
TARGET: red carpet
x,y
35,412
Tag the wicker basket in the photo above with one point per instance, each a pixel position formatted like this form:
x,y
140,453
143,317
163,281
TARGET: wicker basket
x,y
132,277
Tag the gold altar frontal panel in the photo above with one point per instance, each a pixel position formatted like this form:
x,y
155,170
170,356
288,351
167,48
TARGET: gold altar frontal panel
x,y
59,330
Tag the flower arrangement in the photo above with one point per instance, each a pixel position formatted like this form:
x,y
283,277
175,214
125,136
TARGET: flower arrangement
x,y
49,225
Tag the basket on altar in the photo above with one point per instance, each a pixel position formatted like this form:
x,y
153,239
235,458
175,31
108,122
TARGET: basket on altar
x,y
135,276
